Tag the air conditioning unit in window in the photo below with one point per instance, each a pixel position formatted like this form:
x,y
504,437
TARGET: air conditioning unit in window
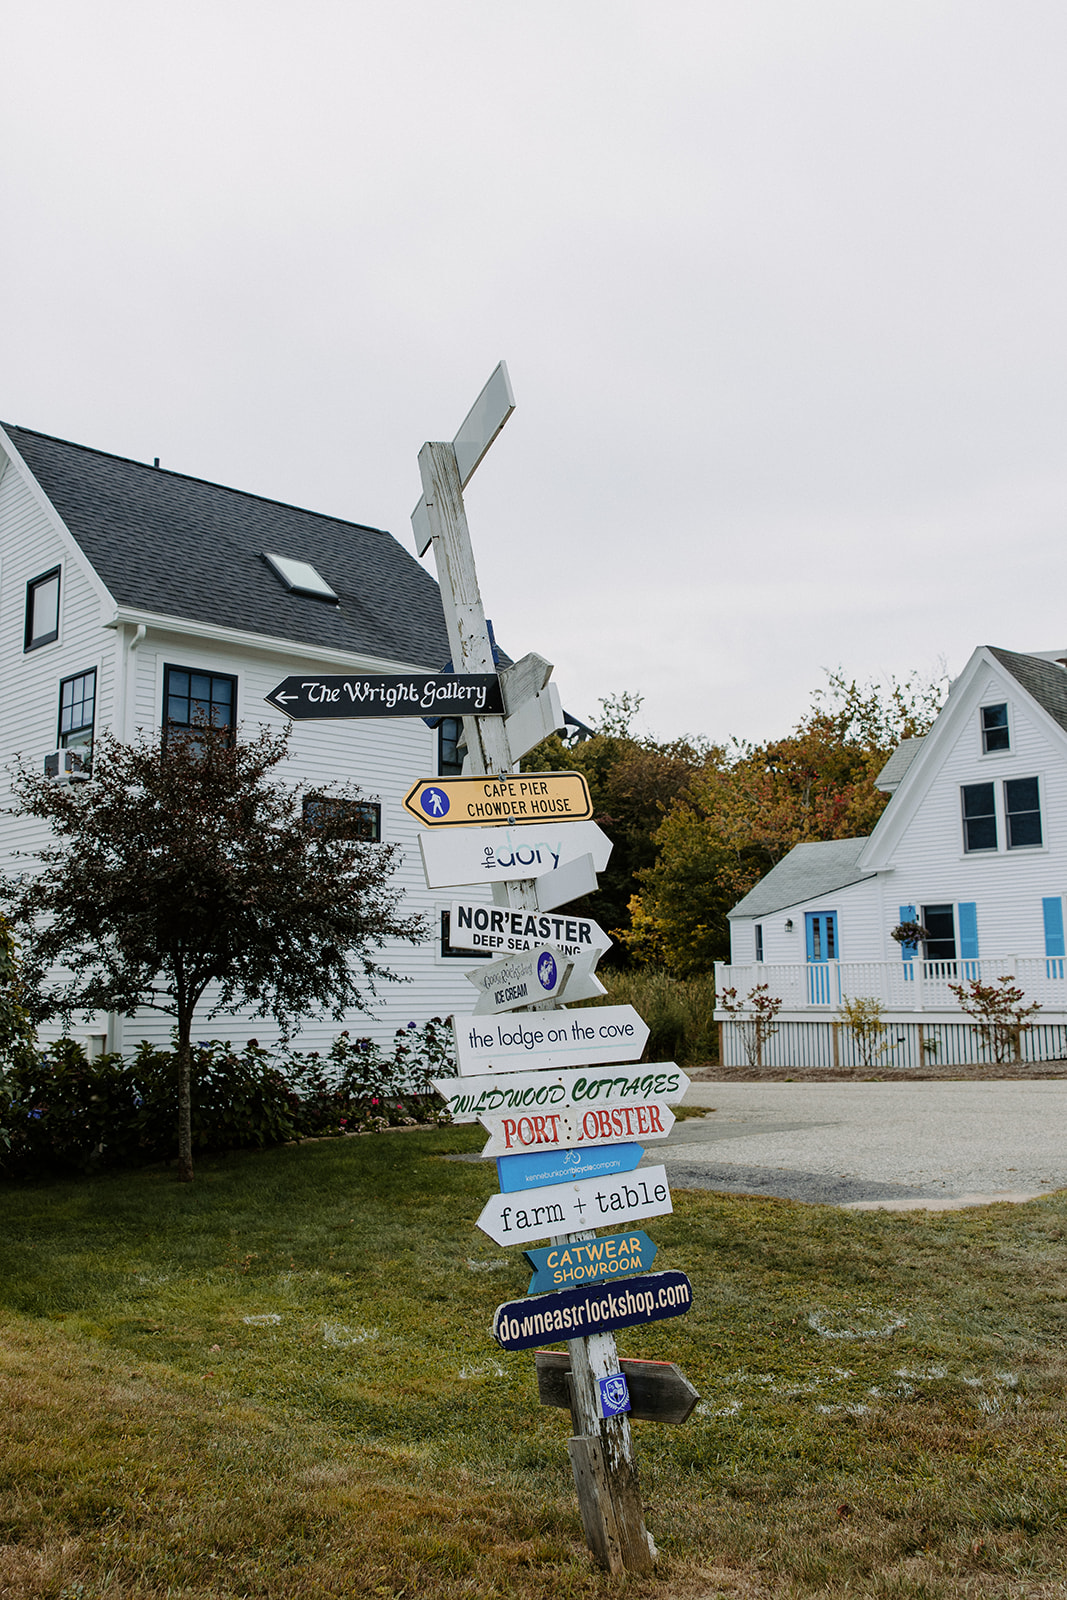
x,y
68,766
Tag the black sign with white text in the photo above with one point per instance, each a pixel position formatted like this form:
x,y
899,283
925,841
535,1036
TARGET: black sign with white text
x,y
595,1308
389,695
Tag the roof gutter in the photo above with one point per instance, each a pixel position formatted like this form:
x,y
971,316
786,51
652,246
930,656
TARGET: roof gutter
x,y
212,633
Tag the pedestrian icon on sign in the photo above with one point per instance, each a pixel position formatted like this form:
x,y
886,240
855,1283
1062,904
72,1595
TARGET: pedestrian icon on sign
x,y
434,802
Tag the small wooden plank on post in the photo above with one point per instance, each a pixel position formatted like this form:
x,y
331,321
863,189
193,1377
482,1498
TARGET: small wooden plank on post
x,y
659,1392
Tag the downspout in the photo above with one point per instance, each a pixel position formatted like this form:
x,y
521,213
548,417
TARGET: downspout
x,y
121,722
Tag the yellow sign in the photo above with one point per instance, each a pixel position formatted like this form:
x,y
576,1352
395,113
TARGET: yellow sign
x,y
476,802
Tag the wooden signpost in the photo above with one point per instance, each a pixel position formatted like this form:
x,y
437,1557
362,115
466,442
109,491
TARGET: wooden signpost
x,y
520,862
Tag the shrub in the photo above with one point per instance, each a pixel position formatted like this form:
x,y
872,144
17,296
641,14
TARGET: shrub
x,y
755,1016
999,1013
63,1113
679,1012
863,1019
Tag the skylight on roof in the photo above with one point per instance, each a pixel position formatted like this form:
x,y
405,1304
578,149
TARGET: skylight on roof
x,y
300,577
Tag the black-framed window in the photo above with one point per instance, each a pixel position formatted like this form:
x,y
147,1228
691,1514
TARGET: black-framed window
x,y
940,924
193,699
995,733
449,754
450,951
77,711
979,816
352,819
1022,812
759,941
42,610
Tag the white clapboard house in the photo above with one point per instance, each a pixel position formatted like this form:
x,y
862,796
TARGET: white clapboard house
x,y
972,846
130,595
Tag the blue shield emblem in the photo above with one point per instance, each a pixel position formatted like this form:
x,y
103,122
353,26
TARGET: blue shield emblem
x,y
614,1395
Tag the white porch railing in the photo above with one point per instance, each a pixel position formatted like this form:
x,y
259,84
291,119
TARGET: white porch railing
x,y
822,986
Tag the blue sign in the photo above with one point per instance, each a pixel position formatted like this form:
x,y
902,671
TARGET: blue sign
x,y
434,802
558,1266
614,1395
597,1308
546,972
532,1169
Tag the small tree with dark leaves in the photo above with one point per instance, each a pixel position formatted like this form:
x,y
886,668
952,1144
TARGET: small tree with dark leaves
x,y
755,1017
1000,1016
186,863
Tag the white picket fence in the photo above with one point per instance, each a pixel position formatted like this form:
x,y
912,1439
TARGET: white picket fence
x,y
900,985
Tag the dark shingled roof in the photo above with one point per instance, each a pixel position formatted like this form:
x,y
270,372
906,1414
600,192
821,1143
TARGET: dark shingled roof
x,y
1046,681
895,770
182,547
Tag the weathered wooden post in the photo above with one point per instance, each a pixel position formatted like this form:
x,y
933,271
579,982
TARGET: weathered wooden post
x,y
602,1451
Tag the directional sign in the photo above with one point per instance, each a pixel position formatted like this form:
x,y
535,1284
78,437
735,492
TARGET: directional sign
x,y
519,980
659,1391
575,1313
548,1039
541,1167
582,982
476,433
497,855
473,925
500,800
576,1129
558,1266
470,1099
576,1207
375,694
567,883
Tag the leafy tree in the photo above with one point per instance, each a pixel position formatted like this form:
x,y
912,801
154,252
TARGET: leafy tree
x,y
747,807
185,863
633,781
1000,1016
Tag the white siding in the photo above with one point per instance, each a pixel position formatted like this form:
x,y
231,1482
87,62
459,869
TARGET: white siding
x,y
929,865
385,756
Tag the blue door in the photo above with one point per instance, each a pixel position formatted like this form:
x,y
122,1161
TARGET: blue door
x,y
821,930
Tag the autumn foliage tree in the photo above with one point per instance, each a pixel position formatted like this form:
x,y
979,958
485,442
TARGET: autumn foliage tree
x,y
633,783
185,865
746,807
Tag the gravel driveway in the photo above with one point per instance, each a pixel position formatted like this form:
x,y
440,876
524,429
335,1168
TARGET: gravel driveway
x,y
874,1144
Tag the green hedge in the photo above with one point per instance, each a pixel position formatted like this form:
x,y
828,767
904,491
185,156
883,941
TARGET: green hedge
x,y
62,1113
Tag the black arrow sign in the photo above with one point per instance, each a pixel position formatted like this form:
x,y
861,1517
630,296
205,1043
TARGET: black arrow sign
x,y
364,694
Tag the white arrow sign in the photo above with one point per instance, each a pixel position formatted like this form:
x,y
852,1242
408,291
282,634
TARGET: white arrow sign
x,y
576,1207
576,1130
520,980
451,857
567,883
468,1099
548,1039
476,433
473,925
582,982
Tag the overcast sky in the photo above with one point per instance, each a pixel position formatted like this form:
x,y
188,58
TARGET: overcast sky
x,y
781,284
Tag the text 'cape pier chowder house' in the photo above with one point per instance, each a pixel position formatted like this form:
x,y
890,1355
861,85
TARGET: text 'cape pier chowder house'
x,y
972,846
130,595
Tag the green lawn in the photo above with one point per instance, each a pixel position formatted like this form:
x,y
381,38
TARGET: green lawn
x,y
280,1382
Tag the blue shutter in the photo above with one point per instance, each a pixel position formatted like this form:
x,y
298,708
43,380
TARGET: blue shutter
x,y
907,951
1052,910
967,917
